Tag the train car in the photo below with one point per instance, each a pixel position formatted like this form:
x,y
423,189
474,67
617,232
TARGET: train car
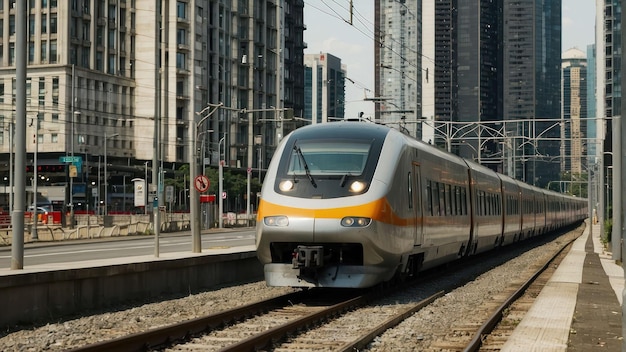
x,y
511,214
354,204
486,192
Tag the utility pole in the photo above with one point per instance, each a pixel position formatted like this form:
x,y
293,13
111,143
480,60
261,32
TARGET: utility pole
x,y
156,170
17,215
194,196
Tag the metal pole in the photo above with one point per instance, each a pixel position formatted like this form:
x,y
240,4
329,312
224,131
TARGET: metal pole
x,y
11,142
146,192
157,123
221,181
99,187
72,150
194,197
17,216
249,169
34,235
616,236
106,183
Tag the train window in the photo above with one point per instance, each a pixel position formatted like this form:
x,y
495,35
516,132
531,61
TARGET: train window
x,y
448,200
442,199
436,201
463,202
322,158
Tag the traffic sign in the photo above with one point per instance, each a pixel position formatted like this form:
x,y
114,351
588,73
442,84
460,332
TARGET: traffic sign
x,y
201,183
71,159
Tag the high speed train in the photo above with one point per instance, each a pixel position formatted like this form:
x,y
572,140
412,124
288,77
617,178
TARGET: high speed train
x,y
353,204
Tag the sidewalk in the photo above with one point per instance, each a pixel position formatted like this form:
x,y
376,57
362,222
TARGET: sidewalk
x,y
579,309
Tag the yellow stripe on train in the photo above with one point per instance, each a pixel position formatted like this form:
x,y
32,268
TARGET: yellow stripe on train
x,y
378,210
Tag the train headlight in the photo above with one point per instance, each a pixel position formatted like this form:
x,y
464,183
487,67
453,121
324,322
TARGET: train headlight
x,y
357,186
286,185
352,221
279,221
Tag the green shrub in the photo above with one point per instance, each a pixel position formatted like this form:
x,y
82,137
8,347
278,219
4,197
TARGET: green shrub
x,y
608,230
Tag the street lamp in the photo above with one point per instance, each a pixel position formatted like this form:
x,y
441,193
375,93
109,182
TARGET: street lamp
x,y
74,114
221,180
34,234
106,183
194,197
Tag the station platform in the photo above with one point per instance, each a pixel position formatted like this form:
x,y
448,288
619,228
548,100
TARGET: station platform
x,y
580,308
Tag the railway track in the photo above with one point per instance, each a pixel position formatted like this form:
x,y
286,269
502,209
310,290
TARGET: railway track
x,y
332,322
495,321
257,326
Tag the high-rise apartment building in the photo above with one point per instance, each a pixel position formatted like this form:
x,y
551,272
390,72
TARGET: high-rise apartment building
x,y
103,75
324,79
398,67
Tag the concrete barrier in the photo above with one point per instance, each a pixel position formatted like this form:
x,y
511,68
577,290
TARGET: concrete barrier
x,y
40,297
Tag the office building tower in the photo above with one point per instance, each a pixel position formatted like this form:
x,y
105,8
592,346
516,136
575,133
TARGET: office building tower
x,y
573,127
324,88
532,87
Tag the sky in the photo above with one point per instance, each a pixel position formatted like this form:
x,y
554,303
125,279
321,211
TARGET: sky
x,y
329,31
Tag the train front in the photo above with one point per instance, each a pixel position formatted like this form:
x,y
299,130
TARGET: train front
x,y
319,217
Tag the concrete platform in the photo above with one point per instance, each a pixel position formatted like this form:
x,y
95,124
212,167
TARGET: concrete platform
x,y
41,293
579,309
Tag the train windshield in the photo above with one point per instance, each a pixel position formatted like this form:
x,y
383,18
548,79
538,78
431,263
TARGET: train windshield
x,y
329,158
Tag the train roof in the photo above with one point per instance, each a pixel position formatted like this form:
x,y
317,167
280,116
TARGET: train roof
x,y
342,129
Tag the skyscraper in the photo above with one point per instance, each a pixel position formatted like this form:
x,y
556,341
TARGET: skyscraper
x,y
532,86
574,127
324,88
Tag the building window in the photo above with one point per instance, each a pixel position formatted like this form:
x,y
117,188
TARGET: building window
x,y
54,138
111,67
44,24
53,23
181,61
11,24
11,54
85,57
31,24
111,39
181,10
44,51
42,91
53,51
112,12
31,52
99,61
181,36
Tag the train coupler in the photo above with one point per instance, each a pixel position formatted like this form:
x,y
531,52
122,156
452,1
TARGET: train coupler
x,y
308,257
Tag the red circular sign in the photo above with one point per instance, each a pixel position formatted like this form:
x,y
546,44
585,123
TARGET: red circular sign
x,y
201,183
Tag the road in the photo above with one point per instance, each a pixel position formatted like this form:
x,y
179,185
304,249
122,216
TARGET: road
x,y
119,247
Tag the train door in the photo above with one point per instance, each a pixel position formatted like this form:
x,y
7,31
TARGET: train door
x,y
416,203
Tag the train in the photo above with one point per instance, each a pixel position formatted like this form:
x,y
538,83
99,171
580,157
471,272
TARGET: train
x,y
355,204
